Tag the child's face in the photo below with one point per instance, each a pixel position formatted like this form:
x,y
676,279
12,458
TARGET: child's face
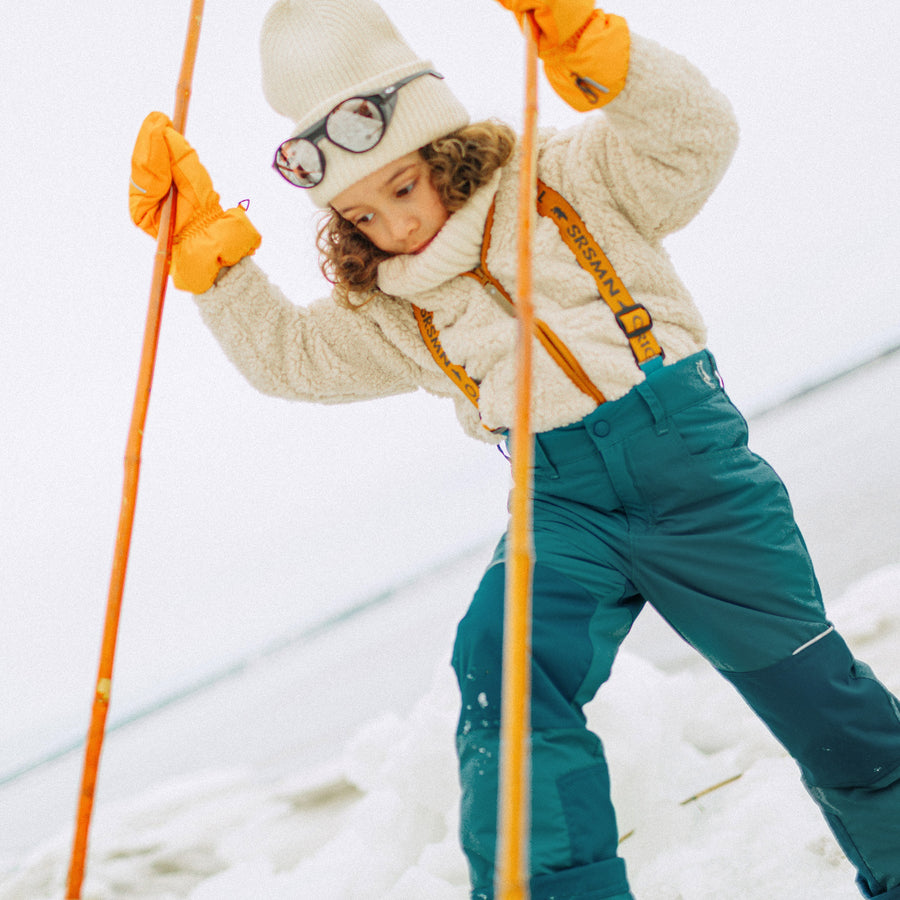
x,y
397,207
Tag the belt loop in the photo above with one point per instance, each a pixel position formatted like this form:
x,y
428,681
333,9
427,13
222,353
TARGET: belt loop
x,y
656,408
542,461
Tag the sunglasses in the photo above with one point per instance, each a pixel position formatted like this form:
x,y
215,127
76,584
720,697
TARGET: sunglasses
x,y
356,124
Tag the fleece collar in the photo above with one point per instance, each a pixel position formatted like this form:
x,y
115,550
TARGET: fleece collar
x,y
456,248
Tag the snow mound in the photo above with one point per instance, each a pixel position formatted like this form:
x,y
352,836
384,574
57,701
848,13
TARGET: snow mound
x,y
702,791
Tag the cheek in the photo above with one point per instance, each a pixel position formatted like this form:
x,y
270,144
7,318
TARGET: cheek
x,y
439,214
382,241
373,234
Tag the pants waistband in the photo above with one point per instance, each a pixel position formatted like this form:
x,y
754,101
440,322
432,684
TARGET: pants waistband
x,y
647,404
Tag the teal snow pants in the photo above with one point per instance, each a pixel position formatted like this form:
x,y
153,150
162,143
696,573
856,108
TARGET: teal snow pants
x,y
656,498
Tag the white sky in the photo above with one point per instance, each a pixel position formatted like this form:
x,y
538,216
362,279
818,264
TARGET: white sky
x,y
256,515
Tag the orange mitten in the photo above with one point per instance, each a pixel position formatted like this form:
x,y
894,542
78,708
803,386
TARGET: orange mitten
x,y
557,20
584,50
206,237
589,69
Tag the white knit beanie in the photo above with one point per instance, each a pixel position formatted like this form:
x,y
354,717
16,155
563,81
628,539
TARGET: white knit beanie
x,y
316,53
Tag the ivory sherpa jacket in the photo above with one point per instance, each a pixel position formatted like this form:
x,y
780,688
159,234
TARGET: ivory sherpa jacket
x,y
635,172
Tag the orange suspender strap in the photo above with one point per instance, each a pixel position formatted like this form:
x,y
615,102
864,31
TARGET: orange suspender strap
x,y
558,351
631,317
457,374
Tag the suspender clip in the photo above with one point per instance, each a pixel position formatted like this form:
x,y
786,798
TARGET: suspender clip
x,y
634,320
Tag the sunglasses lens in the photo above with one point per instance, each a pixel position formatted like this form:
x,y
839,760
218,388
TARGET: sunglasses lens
x,y
356,125
300,162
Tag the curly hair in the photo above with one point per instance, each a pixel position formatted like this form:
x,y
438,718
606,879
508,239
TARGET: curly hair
x,y
459,164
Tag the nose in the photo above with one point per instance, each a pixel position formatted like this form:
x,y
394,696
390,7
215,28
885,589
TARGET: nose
x,y
404,227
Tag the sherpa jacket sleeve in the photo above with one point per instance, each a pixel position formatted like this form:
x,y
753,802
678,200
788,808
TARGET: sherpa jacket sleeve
x,y
322,352
659,149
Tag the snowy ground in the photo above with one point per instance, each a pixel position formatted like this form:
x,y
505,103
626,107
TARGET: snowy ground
x,y
326,770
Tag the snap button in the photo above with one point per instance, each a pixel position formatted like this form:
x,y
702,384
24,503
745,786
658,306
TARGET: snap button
x,y
601,428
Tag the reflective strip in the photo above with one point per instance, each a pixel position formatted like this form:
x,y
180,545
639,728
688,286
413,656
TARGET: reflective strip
x,y
803,647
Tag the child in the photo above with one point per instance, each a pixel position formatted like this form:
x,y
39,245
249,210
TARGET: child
x,y
644,489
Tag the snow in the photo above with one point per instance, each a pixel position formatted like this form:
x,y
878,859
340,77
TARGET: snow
x,y
379,820
325,768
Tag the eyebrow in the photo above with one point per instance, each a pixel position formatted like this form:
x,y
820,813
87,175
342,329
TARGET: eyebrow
x,y
398,174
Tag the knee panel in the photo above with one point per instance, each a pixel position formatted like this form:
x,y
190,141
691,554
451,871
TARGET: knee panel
x,y
829,712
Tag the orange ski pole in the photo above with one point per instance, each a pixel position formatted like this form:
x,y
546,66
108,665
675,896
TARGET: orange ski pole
x,y
129,489
511,877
